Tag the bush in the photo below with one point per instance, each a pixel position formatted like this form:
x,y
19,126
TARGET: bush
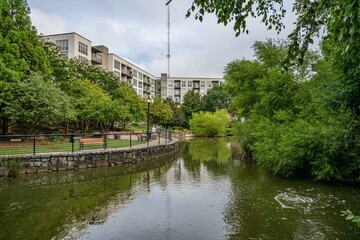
x,y
207,124
12,168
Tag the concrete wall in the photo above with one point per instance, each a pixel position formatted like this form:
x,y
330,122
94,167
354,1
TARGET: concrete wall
x,y
89,159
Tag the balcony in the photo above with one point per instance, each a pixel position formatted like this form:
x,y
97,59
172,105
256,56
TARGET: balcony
x,y
127,73
96,59
147,90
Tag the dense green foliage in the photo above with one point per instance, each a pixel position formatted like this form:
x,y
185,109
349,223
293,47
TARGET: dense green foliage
x,y
207,124
294,121
160,112
215,99
42,90
295,125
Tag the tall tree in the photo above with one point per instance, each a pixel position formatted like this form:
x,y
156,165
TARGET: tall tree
x,y
192,104
160,111
21,51
38,104
215,99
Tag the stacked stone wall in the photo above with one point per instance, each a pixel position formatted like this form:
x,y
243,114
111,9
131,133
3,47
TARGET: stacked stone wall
x,y
90,159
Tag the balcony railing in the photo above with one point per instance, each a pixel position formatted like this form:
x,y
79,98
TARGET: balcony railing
x,y
96,58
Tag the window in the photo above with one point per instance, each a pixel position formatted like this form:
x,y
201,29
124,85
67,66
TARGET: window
x,y
209,84
190,83
171,91
135,73
116,64
63,44
140,76
83,48
170,83
140,85
202,83
183,83
134,82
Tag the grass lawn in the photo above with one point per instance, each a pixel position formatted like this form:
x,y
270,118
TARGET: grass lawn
x,y
64,146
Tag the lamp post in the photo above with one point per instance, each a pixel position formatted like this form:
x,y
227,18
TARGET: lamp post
x,y
148,134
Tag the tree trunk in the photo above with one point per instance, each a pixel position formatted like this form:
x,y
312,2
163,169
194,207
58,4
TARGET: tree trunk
x,y
66,127
5,126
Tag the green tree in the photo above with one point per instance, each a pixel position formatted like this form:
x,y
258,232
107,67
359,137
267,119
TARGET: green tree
x,y
178,119
191,104
207,124
38,104
215,99
21,51
93,105
133,105
160,111
241,77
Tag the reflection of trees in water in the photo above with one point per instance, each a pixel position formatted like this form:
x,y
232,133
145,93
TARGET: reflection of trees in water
x,y
212,153
66,197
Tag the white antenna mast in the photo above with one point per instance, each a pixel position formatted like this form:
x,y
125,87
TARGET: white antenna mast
x,y
168,35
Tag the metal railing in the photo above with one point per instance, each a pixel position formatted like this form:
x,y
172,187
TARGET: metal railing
x,y
65,143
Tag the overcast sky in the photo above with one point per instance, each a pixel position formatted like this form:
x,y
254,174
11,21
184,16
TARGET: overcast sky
x,y
136,30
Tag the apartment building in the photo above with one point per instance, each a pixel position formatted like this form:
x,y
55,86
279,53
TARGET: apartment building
x,y
176,87
144,83
77,46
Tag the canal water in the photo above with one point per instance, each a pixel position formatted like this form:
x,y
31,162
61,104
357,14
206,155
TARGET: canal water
x,y
204,192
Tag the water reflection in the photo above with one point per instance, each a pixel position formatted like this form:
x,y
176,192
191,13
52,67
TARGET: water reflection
x,y
47,205
205,192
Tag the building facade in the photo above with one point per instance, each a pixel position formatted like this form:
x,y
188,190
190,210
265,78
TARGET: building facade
x,y
176,87
145,84
76,46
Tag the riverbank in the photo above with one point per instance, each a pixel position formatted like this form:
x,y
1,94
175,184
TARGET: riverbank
x,y
53,162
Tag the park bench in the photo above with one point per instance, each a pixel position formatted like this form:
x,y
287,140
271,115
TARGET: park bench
x,y
140,135
89,141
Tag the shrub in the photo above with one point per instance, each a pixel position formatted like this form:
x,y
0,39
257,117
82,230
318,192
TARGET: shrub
x,y
207,124
12,168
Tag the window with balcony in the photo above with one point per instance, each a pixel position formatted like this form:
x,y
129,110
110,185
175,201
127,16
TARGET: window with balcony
x,y
63,44
83,48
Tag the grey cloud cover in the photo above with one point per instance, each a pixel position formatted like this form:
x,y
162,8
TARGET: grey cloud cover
x,y
136,30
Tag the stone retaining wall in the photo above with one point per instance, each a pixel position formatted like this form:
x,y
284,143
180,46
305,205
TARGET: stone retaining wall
x,y
89,159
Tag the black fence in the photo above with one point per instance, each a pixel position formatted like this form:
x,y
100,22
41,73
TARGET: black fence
x,y
64,143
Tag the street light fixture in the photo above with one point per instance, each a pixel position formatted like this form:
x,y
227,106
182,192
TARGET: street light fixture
x,y
148,134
